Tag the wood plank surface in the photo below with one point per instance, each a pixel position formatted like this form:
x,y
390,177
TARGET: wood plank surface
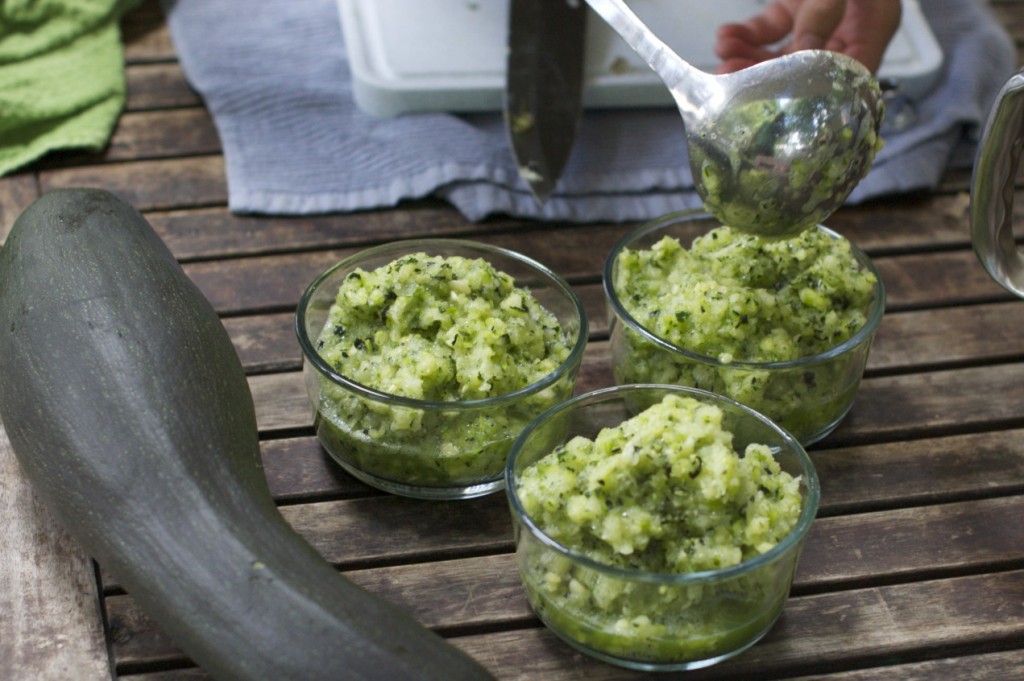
x,y
833,631
248,285
458,594
51,626
914,568
887,407
827,632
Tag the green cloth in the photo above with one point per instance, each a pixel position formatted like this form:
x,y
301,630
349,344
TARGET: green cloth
x,y
61,76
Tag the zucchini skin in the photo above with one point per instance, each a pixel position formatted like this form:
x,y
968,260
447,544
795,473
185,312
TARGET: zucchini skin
x,y
129,412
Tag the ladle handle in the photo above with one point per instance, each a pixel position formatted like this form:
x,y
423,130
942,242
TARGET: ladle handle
x,y
669,66
992,183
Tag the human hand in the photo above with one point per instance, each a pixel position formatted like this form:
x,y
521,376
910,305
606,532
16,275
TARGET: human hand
x,y
860,29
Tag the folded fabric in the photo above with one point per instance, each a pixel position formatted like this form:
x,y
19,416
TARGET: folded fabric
x,y
279,89
61,76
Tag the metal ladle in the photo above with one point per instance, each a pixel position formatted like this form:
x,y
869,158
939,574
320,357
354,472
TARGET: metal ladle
x,y
774,148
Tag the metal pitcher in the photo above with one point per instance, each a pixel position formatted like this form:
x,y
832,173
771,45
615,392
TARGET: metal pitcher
x,y
995,170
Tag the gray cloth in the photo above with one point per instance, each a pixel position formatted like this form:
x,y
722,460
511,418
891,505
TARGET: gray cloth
x,y
275,77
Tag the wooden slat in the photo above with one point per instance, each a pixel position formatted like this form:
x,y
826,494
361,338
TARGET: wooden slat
x,y
906,545
998,666
853,479
933,337
459,594
887,407
234,285
917,472
983,667
163,134
389,528
149,185
17,192
896,226
841,552
145,36
214,232
918,405
298,469
921,223
266,342
902,223
273,282
51,620
944,278
206,232
929,338
911,544
158,86
939,221
881,625
1010,15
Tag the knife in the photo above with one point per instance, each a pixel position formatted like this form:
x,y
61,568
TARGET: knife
x,y
544,87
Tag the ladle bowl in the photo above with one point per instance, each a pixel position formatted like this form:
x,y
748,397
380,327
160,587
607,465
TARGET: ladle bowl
x,y
774,148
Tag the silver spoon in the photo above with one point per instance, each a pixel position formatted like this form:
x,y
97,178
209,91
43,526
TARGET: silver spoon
x,y
774,148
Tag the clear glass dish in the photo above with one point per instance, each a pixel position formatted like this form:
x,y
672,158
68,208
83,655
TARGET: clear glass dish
x,y
808,395
422,448
650,620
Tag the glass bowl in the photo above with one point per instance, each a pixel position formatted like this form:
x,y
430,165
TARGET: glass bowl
x,y
424,448
632,617
809,395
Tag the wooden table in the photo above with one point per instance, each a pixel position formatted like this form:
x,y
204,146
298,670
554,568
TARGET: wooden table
x,y
914,568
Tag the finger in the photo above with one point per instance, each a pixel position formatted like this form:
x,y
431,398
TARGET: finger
x,y
773,24
869,55
735,48
869,46
815,21
731,40
735,31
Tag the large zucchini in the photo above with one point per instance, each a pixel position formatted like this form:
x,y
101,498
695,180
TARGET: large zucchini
x,y
129,412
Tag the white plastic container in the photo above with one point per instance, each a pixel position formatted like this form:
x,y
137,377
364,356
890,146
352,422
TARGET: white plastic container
x,y
449,55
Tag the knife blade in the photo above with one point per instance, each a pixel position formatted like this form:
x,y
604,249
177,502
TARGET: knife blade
x,y
543,100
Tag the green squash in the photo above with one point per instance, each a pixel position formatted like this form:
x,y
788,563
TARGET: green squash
x,y
129,411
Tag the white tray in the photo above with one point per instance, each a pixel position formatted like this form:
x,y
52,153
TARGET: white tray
x,y
449,55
